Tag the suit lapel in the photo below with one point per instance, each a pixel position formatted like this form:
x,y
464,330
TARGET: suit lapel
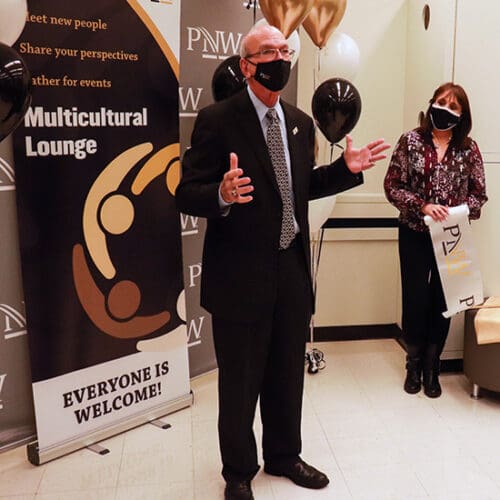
x,y
295,147
257,144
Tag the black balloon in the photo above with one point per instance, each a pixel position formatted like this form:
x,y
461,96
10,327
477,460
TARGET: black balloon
x,y
336,106
15,89
228,79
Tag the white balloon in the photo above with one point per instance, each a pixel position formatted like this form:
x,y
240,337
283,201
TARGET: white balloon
x,y
319,212
339,58
293,41
12,19
181,305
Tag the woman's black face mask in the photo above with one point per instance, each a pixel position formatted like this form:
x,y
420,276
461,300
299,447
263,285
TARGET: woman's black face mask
x,y
443,118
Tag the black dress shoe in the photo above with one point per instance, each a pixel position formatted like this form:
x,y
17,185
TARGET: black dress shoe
x,y
238,490
300,473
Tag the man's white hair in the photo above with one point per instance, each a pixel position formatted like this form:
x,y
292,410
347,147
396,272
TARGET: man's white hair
x,y
254,31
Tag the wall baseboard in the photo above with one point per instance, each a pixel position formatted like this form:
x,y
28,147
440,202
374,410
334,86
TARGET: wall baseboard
x,y
372,332
358,222
452,366
356,332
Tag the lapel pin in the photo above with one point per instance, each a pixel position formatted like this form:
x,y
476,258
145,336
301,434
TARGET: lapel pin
x,y
295,130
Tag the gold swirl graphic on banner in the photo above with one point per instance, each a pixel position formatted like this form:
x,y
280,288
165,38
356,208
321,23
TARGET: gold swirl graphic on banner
x,y
108,181
167,159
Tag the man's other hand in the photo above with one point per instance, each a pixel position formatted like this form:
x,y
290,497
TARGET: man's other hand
x,y
364,158
234,188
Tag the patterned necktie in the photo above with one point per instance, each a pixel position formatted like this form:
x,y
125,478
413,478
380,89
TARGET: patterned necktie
x,y
277,153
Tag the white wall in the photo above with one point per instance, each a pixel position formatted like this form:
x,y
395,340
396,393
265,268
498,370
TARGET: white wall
x,y
477,69
429,58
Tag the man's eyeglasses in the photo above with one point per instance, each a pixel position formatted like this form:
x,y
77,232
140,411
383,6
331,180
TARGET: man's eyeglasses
x,y
271,54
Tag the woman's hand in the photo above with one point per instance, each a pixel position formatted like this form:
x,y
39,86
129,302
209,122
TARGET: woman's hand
x,y
439,213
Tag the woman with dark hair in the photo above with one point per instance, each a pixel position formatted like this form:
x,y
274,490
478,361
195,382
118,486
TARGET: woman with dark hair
x,y
433,167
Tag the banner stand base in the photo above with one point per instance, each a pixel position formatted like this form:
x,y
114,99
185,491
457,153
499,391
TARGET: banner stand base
x,y
97,448
38,456
160,423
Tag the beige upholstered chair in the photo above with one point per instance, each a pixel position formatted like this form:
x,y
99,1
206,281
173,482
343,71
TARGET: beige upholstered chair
x,y
481,362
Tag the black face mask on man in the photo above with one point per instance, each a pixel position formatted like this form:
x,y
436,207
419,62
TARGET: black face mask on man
x,y
443,118
273,75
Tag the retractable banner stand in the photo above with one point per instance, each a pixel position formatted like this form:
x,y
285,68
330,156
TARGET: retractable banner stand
x,y
211,32
456,260
16,403
97,164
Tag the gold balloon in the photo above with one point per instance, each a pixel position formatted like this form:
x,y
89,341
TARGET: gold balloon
x,y
323,18
286,15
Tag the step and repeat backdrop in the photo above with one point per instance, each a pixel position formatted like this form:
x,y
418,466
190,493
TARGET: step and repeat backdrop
x,y
16,405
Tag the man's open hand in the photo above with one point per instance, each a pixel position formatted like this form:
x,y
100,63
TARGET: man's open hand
x,y
364,158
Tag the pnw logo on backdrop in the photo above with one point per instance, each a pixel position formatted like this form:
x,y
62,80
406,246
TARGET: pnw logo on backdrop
x,y
106,213
213,45
13,325
189,100
12,321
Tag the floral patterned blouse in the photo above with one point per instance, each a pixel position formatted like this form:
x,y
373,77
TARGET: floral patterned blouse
x,y
415,178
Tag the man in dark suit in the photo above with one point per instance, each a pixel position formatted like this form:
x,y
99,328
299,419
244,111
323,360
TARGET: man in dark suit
x,y
250,173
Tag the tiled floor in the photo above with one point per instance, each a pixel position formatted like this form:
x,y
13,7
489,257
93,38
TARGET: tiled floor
x,y
375,442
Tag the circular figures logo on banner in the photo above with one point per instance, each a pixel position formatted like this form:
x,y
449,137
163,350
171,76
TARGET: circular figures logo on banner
x,y
109,213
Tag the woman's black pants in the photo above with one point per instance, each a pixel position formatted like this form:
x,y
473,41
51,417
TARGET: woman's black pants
x,y
424,327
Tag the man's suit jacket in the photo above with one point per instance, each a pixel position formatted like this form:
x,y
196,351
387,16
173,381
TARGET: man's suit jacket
x,y
240,253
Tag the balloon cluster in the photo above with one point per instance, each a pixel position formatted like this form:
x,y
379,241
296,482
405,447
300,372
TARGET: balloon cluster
x,y
319,17
338,55
336,104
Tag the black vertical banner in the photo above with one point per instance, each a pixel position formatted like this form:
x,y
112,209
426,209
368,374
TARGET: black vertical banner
x,y
97,163
210,33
